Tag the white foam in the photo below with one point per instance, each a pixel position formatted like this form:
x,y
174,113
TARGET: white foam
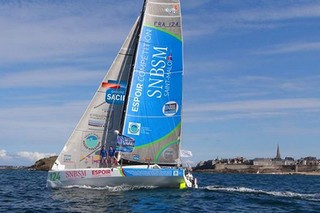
x,y
314,197
112,188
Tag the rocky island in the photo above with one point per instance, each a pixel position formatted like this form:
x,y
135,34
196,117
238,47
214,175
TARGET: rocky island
x,y
44,164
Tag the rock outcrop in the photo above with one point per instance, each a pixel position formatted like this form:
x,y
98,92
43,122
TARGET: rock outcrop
x,y
44,164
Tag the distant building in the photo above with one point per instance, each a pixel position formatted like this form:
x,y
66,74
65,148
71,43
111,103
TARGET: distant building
x,y
277,161
262,162
289,161
311,161
278,156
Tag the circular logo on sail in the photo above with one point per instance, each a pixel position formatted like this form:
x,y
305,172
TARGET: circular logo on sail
x,y
136,157
91,141
134,128
168,154
170,108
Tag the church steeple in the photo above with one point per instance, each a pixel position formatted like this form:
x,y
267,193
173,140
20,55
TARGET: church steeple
x,y
278,156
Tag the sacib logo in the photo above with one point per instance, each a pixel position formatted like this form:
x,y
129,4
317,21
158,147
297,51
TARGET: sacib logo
x,y
115,91
134,128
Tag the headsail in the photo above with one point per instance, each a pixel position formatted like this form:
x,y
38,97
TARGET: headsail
x,y
153,112
104,113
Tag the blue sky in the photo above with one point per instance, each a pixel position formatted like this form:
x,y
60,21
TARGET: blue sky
x,y
252,74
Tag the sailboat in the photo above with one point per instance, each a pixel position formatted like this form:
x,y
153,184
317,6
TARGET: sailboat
x,y
136,110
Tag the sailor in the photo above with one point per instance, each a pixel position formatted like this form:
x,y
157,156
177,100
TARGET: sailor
x,y
103,155
111,156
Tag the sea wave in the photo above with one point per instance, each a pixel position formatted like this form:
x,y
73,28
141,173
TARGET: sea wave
x,y
111,188
313,197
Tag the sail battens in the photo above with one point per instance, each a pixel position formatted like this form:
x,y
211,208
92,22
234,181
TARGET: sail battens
x,y
162,16
126,54
161,3
150,73
175,35
150,116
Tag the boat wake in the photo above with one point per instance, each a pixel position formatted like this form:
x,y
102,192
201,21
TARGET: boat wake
x,y
111,188
288,194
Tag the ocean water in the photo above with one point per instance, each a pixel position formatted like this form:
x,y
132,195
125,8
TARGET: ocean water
x,y
25,191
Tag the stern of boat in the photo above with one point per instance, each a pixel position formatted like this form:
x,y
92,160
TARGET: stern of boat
x,y
189,181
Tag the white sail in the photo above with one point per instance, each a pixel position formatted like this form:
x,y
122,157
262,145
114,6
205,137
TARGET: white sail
x,y
103,115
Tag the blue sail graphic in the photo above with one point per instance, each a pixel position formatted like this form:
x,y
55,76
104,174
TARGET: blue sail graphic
x,y
153,115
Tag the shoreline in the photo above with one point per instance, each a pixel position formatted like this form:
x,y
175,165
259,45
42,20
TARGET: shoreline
x,y
261,173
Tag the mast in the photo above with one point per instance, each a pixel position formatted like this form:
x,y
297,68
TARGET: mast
x,y
132,67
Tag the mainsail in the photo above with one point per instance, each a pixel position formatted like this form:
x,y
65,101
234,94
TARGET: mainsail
x,y
103,115
153,110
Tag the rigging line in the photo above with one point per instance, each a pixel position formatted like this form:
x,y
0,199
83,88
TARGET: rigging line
x,y
99,147
123,76
139,27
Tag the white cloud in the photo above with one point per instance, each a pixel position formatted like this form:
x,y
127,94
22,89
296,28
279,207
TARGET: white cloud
x,y
34,156
206,66
291,86
258,16
44,128
50,118
42,40
23,158
192,5
3,154
46,30
257,105
290,48
251,109
54,77
279,13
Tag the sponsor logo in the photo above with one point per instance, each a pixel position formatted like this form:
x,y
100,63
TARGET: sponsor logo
x,y
66,158
96,123
91,141
99,119
76,174
105,172
136,157
172,10
115,91
134,128
168,154
175,173
170,108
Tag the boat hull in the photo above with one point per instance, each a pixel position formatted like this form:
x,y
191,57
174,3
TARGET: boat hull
x,y
127,175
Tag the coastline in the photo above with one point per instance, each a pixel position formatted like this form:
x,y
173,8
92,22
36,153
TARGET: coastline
x,y
213,171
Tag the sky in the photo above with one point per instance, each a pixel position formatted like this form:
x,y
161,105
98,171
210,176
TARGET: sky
x,y
251,74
